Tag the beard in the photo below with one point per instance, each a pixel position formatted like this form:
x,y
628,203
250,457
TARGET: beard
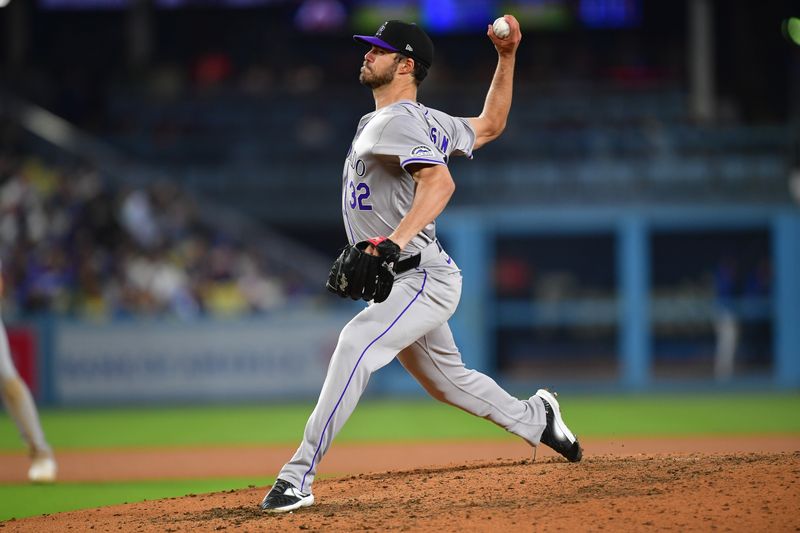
x,y
373,79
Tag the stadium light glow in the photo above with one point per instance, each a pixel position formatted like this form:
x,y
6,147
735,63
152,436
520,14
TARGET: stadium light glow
x,y
791,28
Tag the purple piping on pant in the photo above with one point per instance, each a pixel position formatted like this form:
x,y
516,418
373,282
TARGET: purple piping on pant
x,y
316,452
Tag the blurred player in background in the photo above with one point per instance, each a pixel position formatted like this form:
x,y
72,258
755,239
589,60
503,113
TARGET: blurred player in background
x,y
19,402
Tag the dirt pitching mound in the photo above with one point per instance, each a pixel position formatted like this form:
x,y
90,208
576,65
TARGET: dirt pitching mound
x,y
689,492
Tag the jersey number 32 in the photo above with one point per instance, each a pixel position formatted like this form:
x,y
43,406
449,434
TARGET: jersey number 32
x,y
359,194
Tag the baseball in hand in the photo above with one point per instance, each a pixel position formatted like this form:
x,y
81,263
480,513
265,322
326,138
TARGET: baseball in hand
x,y
501,28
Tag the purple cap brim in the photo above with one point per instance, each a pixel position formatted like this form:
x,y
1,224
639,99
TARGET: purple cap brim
x,y
371,39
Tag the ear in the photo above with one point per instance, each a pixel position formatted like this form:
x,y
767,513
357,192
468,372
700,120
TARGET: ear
x,y
406,66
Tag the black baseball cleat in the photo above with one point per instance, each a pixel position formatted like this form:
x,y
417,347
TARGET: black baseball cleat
x,y
557,435
285,497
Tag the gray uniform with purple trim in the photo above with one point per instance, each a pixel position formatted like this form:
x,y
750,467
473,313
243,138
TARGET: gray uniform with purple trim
x,y
412,323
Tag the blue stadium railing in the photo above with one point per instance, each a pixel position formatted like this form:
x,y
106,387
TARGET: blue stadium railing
x,y
469,235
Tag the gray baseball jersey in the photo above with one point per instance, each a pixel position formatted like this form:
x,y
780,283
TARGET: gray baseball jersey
x,y
411,324
377,190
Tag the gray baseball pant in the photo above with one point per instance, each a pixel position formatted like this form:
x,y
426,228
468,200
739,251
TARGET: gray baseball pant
x,y
411,325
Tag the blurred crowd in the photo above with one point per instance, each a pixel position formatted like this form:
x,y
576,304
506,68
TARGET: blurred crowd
x,y
73,243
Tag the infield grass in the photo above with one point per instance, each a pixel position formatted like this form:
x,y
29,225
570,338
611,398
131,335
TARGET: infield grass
x,y
19,501
406,420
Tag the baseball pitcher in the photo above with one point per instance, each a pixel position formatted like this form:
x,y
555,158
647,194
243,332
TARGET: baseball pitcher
x,y
395,183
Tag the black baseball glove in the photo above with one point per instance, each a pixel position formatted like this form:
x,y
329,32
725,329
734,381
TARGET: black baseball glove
x,y
358,275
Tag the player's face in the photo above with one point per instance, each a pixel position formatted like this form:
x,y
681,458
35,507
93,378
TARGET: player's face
x,y
378,68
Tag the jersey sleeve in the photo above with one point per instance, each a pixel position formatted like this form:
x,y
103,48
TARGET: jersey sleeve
x,y
408,139
463,137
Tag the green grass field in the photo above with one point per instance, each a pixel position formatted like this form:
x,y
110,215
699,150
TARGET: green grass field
x,y
646,415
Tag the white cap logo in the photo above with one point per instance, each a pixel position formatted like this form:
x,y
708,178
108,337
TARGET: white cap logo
x,y
408,47
380,30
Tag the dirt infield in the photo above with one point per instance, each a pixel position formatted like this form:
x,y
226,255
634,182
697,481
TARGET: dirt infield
x,y
724,484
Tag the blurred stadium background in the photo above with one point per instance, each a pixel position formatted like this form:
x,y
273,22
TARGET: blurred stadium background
x,y
170,169
169,184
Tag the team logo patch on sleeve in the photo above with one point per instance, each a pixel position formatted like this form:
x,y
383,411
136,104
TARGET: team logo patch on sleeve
x,y
421,150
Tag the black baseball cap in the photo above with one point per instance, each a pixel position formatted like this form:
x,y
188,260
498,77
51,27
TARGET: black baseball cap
x,y
407,39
